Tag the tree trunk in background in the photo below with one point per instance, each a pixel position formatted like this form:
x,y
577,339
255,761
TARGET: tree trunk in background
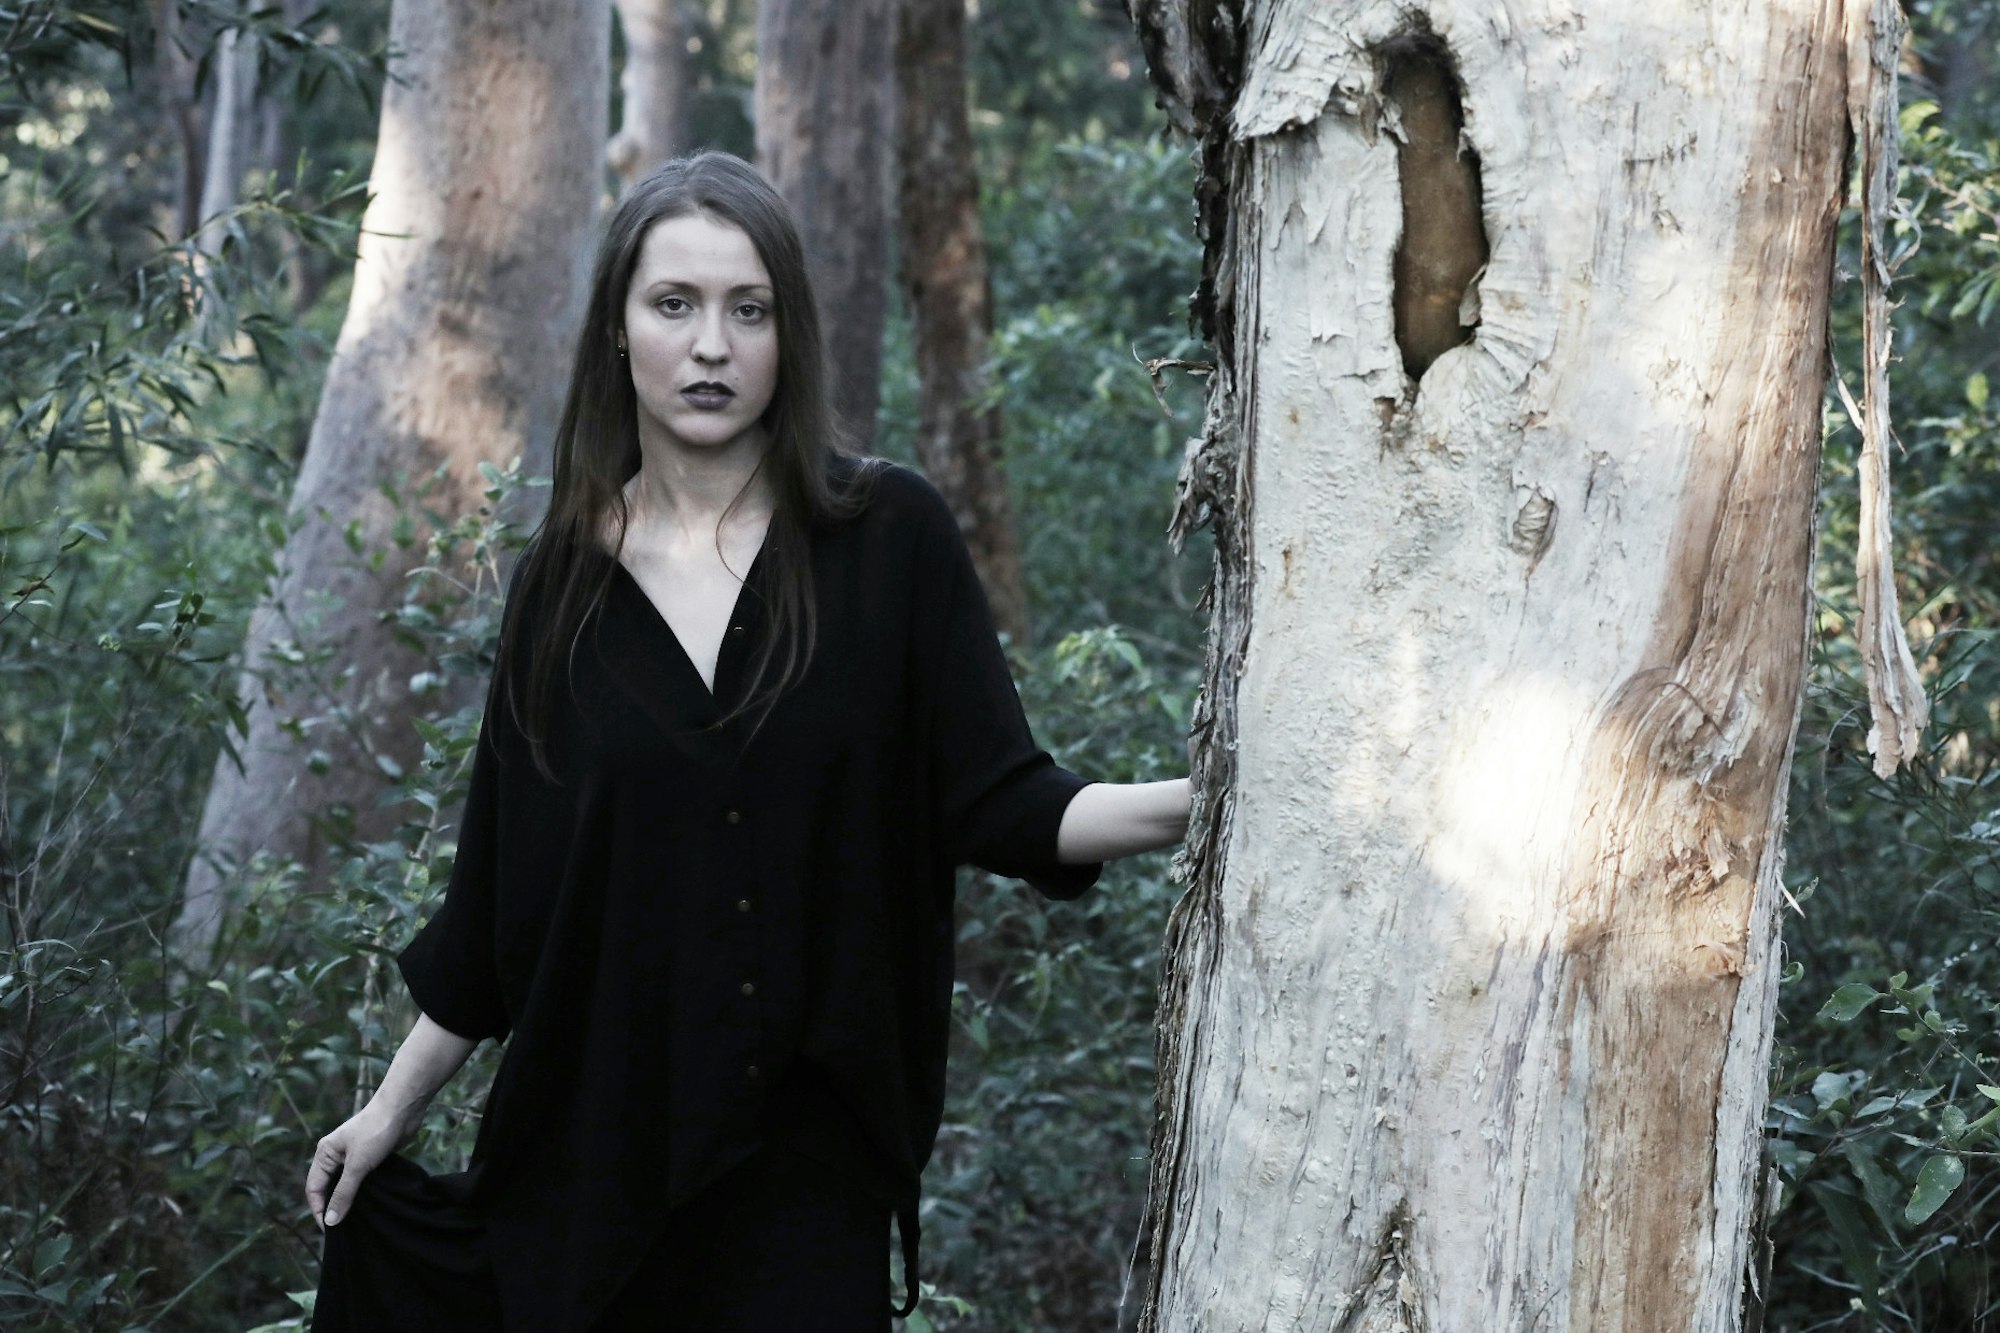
x,y
277,153
943,256
652,89
232,95
468,287
182,108
273,148
1466,1014
823,136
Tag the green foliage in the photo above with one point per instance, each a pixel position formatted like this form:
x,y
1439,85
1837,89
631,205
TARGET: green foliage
x,y
1035,1191
162,1121
1882,1118
1093,257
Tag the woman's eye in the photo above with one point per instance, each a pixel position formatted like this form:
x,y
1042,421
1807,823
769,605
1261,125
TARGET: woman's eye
x,y
673,305
751,310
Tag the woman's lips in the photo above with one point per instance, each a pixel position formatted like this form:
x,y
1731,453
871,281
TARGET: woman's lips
x,y
708,399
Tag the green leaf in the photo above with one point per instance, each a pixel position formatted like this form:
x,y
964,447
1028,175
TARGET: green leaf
x,y
1847,1002
1976,391
1911,118
1876,1186
1852,1236
50,1253
1941,1175
1831,1088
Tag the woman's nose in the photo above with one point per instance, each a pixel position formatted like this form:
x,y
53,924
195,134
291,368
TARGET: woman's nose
x,y
711,341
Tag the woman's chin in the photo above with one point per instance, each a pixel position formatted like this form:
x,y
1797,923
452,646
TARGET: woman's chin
x,y
709,433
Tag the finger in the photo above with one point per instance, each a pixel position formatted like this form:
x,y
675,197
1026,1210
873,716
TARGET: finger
x,y
353,1171
319,1178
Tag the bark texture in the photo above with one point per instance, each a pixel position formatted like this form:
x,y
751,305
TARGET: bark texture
x,y
944,269
1466,1011
824,127
466,294
652,89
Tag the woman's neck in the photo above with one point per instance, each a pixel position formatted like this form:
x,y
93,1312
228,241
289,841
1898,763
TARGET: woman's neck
x,y
685,492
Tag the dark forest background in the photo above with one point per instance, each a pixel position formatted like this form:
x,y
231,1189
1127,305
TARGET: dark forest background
x,y
159,374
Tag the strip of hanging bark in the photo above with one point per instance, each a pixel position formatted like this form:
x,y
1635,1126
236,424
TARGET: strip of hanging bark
x,y
1897,707
1156,371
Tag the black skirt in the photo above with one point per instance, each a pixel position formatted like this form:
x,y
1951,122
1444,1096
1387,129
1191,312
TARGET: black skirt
x,y
779,1242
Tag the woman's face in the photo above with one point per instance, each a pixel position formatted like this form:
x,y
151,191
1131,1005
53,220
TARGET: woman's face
x,y
701,335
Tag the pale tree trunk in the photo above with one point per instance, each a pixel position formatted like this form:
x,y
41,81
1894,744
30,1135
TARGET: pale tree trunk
x,y
230,105
1511,456
944,270
823,133
652,89
467,289
232,96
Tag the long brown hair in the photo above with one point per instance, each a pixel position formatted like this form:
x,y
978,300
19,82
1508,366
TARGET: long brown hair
x,y
565,572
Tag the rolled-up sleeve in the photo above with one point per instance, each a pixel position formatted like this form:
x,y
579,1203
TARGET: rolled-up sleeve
x,y
999,797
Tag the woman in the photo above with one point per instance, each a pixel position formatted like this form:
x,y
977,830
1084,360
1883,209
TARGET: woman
x,y
748,717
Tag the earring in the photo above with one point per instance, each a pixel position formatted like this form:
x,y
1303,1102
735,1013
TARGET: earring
x,y
621,349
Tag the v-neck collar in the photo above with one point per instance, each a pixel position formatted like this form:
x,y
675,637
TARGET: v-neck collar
x,y
713,694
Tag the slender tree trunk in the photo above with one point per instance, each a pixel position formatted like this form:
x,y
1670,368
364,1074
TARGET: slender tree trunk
x,y
466,295
176,72
1521,314
652,89
823,133
943,257
231,101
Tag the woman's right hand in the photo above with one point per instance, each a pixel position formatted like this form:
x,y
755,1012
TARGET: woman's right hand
x,y
350,1153
427,1057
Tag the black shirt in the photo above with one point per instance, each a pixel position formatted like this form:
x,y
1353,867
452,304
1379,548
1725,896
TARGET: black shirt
x,y
695,922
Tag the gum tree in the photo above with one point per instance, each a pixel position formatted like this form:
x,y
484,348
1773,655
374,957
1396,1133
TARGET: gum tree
x,y
467,289
1520,317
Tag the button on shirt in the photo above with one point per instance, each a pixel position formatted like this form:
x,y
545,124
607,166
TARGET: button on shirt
x,y
694,923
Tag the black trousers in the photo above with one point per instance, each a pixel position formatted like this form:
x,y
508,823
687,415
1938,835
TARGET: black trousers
x,y
773,1245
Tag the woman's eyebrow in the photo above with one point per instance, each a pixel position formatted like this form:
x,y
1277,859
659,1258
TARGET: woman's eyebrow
x,y
681,283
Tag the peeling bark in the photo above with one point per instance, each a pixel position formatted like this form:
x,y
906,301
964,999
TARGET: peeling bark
x,y
468,285
1465,1013
1897,705
945,273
